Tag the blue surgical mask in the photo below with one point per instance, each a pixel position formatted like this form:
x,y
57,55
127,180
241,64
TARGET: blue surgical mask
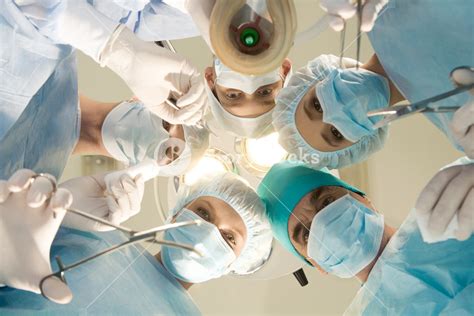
x,y
346,95
345,237
186,265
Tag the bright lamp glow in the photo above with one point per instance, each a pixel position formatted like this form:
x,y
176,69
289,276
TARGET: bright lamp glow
x,y
264,152
208,165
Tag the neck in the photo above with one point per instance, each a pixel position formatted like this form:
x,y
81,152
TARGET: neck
x,y
186,285
387,234
375,66
93,114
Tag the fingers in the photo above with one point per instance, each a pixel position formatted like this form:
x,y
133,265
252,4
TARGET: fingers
x,y
60,202
56,290
466,218
369,14
450,202
463,119
20,180
40,190
463,76
115,214
194,93
433,190
4,191
336,22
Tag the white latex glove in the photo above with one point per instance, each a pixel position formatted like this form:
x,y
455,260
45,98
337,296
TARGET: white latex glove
x,y
154,74
115,202
340,10
462,124
30,215
445,207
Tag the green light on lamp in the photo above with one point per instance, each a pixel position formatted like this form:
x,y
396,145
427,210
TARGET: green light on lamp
x,y
249,37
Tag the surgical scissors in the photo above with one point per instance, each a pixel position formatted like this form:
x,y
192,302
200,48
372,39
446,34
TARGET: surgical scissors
x,y
134,237
396,112
358,38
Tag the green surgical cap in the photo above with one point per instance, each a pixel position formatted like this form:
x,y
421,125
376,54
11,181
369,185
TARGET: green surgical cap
x,y
284,186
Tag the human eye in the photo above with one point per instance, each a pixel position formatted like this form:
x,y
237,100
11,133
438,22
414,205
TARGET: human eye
x,y
232,94
229,238
317,106
326,201
204,214
265,92
336,133
305,236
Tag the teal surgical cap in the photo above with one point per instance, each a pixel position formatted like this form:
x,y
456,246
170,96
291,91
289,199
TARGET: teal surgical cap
x,y
284,186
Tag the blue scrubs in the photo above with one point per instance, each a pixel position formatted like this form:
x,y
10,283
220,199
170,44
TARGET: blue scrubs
x,y
419,42
127,282
45,134
27,60
412,277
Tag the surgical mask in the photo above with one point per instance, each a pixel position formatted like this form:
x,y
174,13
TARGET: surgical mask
x,y
345,237
250,127
346,95
131,143
206,238
248,84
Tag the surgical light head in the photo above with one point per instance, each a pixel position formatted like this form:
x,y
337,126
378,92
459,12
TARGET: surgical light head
x,y
252,37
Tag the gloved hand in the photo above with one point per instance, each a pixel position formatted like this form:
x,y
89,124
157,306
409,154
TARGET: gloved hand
x,y
116,201
462,124
153,74
340,10
30,215
445,207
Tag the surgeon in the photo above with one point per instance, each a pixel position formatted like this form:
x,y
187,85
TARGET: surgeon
x,y
234,237
40,35
243,104
335,228
323,111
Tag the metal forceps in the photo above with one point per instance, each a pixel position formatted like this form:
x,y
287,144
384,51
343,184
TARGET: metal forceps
x,y
358,38
396,112
149,235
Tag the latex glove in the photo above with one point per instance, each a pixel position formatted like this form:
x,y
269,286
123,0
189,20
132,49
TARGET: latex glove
x,y
340,10
30,215
200,12
445,207
462,124
115,202
154,74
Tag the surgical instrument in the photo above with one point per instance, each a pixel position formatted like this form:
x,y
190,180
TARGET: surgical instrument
x,y
149,235
396,112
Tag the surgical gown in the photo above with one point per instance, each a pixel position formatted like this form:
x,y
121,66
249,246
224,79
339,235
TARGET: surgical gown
x,y
419,42
127,282
45,134
412,277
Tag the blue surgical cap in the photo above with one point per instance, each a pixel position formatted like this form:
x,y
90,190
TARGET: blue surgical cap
x,y
284,119
236,192
284,186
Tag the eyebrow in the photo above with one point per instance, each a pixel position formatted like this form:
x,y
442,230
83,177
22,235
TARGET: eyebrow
x,y
297,231
308,112
316,194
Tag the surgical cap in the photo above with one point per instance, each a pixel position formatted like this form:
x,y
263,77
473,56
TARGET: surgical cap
x,y
284,186
284,118
197,138
236,192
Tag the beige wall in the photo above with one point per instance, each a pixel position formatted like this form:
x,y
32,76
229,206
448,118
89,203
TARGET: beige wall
x,y
413,153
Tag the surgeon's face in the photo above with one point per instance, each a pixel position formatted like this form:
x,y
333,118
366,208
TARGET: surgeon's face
x,y
309,121
226,219
300,220
242,104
